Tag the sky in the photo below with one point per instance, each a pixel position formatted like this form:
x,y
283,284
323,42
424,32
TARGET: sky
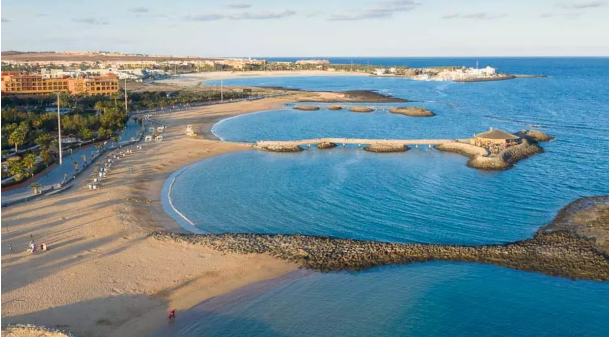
x,y
308,28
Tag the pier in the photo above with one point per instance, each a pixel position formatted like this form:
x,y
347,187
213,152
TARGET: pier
x,y
357,141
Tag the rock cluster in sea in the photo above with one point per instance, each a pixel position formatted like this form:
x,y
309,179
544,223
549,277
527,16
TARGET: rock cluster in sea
x,y
361,109
412,111
306,107
335,107
280,148
325,145
557,253
386,148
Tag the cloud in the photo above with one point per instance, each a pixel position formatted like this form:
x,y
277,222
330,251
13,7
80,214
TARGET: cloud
x,y
241,16
205,17
91,21
152,16
5,20
382,10
239,5
138,10
475,16
560,15
262,15
581,5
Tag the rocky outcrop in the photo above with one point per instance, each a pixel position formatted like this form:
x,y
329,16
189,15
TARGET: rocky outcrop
x,y
280,148
361,109
465,149
306,107
326,145
507,158
534,135
412,111
386,148
335,107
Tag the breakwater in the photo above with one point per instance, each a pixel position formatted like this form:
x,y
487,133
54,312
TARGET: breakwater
x,y
481,158
553,252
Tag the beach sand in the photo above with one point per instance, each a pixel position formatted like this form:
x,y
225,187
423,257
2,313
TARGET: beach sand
x,y
196,78
102,274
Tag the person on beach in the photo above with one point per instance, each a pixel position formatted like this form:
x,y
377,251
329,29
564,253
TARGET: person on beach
x,y
172,314
32,246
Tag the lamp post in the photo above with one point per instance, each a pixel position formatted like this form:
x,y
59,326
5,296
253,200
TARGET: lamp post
x,y
59,129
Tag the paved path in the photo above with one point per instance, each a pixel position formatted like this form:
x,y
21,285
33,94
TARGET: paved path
x,y
57,174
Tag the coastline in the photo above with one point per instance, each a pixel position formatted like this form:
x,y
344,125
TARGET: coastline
x,y
197,78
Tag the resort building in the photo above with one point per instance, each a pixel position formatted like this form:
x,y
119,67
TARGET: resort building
x,y
495,140
15,83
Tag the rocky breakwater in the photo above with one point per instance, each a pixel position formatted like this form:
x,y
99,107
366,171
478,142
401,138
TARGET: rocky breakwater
x,y
326,145
306,107
386,148
557,253
361,109
279,148
412,111
482,158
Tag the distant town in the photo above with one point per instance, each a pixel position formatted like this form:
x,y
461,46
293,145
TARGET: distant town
x,y
42,73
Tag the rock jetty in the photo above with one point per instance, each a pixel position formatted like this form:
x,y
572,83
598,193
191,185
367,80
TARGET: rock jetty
x,y
361,109
386,148
306,107
326,145
412,111
481,158
557,253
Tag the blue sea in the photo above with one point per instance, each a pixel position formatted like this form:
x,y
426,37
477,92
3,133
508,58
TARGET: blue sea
x,y
419,196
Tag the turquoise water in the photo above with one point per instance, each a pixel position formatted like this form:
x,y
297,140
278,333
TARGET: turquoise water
x,y
432,299
420,196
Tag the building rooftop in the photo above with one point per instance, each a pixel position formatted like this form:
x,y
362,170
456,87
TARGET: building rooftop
x,y
496,134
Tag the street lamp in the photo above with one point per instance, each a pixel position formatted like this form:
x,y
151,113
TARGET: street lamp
x,y
59,129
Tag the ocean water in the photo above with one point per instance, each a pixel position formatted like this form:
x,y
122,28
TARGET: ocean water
x,y
420,196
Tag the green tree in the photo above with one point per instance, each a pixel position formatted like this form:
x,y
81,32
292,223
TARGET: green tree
x,y
16,168
44,140
29,161
17,137
86,133
47,158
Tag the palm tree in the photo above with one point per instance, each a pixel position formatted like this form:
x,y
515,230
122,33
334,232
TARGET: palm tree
x,y
16,168
17,137
29,161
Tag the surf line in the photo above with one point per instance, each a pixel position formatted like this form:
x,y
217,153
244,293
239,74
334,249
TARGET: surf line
x,y
171,200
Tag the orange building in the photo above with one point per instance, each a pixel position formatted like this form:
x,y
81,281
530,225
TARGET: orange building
x,y
15,83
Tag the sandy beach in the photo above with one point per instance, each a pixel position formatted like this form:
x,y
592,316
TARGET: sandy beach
x,y
102,274
196,78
